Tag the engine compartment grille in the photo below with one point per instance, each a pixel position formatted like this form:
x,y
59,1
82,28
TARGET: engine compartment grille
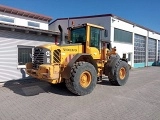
x,y
57,56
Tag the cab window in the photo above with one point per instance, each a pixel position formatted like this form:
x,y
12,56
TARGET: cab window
x,y
78,35
95,37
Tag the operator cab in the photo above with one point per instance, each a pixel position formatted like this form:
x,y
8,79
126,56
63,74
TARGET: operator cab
x,y
93,34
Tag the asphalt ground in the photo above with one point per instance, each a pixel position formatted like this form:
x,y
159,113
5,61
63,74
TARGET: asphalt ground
x,y
138,99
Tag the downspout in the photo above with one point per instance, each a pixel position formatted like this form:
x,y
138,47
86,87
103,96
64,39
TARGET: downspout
x,y
157,60
146,64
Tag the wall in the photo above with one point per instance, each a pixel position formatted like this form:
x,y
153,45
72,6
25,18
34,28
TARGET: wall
x,y
9,40
23,21
65,23
135,29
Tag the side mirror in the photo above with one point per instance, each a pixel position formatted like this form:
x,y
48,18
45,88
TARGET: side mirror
x,y
105,33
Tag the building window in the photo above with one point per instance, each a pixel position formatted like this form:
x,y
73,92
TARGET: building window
x,y
24,54
6,19
122,36
33,24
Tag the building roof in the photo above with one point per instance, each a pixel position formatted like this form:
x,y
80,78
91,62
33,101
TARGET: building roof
x,y
24,13
105,15
81,17
16,28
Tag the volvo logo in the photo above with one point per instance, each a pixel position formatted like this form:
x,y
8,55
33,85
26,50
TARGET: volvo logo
x,y
71,50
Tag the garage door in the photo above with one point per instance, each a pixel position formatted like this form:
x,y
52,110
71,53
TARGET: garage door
x,y
159,52
139,51
151,51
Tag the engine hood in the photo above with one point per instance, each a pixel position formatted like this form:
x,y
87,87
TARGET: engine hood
x,y
49,46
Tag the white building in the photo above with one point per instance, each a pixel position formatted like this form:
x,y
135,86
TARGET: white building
x,y
20,32
23,18
141,45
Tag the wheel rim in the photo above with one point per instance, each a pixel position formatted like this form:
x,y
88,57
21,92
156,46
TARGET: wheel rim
x,y
122,73
85,79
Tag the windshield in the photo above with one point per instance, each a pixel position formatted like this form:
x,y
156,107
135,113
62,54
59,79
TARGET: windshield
x,y
78,35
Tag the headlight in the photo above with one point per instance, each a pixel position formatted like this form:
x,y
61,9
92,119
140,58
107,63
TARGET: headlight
x,y
48,53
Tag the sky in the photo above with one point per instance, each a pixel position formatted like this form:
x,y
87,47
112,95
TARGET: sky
x,y
142,12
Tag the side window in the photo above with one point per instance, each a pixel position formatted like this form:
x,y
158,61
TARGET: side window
x,y
95,37
6,19
24,54
33,24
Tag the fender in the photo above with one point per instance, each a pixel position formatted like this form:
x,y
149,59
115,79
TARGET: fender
x,y
78,57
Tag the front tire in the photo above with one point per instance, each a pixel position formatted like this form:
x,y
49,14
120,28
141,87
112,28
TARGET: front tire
x,y
83,78
120,73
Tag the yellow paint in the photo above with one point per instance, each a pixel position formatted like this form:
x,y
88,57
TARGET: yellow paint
x,y
52,72
93,25
69,50
94,53
45,72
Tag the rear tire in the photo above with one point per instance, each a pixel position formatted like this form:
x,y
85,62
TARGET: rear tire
x,y
83,78
120,73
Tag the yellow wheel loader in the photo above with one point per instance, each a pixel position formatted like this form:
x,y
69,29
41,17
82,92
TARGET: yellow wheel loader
x,y
81,62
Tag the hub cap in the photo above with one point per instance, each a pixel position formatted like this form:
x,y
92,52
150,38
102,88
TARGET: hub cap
x,y
85,79
122,73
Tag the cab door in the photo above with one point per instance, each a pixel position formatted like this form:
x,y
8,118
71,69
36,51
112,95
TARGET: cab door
x,y
94,42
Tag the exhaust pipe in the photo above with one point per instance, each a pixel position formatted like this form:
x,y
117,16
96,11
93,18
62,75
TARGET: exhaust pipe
x,y
62,42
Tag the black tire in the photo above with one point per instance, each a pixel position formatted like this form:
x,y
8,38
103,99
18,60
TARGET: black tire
x,y
110,63
115,77
74,83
